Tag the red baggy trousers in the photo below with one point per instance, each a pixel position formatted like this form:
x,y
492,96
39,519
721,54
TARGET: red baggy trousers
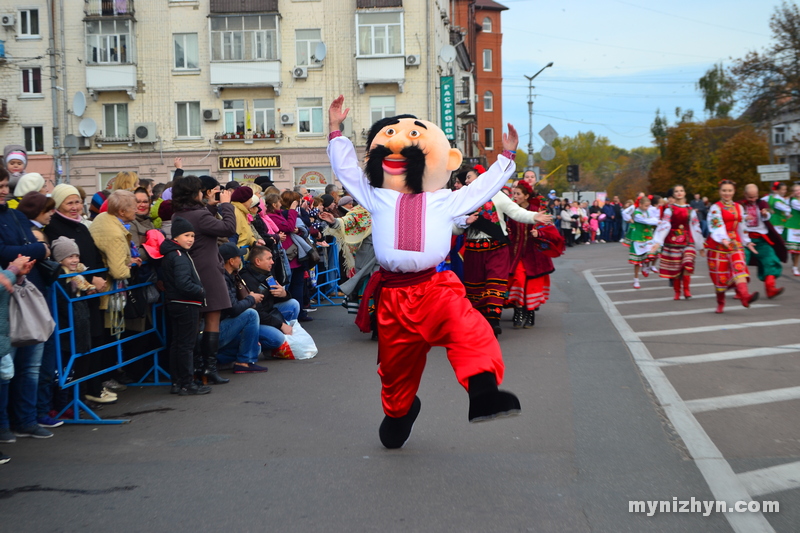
x,y
433,313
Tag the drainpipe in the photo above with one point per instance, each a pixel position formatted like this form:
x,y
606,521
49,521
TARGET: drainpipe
x,y
54,90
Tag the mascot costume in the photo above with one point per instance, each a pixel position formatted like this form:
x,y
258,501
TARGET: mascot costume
x,y
408,163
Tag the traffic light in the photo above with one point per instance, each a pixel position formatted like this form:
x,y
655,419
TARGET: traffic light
x,y
573,173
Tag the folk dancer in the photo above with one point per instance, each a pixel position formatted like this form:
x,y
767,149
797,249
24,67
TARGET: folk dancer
x,y
791,232
640,236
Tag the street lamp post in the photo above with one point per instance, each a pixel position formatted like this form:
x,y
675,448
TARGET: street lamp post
x,y
530,115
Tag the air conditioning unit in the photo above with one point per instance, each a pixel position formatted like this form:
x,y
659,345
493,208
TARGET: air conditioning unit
x,y
476,136
413,60
144,132
210,114
300,73
7,19
287,118
84,143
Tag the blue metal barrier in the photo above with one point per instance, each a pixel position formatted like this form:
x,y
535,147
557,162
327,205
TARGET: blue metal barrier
x,y
328,280
157,327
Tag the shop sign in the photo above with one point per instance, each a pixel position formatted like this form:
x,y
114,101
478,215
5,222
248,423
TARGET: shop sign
x,y
241,162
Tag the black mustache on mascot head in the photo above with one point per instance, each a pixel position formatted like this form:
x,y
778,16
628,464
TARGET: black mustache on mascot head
x,y
415,166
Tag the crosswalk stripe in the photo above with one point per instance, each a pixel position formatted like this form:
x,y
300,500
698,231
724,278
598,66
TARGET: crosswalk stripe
x,y
694,311
727,356
718,327
667,299
703,405
772,479
645,280
661,288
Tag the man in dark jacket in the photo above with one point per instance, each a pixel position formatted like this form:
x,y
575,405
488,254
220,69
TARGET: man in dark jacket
x,y
277,308
607,232
239,328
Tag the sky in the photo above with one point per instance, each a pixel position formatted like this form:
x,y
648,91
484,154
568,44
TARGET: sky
x,y
616,61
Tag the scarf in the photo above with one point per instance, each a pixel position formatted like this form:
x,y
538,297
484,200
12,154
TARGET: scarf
x,y
353,228
77,219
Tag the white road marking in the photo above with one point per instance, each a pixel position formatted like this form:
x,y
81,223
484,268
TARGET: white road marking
x,y
773,479
703,405
693,311
629,268
665,280
661,288
719,475
719,327
726,356
667,299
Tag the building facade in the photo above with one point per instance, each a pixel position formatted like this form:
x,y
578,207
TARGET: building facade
x,y
236,88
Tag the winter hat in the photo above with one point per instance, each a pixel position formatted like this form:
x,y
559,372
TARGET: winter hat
x,y
256,200
62,248
327,200
165,210
32,204
242,194
208,183
152,243
344,200
32,181
230,250
180,226
15,152
233,185
263,182
62,192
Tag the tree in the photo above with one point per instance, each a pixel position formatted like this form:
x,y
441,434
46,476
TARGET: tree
x,y
739,157
718,90
589,150
769,82
632,177
659,131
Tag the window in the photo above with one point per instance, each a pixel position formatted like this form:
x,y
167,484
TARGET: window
x,y
488,101
487,59
234,116
188,119
306,42
309,113
487,25
34,138
244,38
381,107
108,42
31,81
29,23
115,120
779,135
488,138
186,53
380,33
264,110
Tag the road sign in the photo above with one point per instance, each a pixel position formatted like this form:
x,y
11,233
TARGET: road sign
x,y
776,176
548,152
549,134
766,169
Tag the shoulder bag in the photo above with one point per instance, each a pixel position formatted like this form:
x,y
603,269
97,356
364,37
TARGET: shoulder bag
x,y
29,316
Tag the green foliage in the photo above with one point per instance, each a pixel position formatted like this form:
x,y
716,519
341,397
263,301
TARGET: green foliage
x,y
718,90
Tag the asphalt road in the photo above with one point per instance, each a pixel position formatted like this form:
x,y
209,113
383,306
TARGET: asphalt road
x,y
297,449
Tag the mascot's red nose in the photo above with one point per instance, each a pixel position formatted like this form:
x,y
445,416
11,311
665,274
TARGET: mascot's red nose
x,y
394,166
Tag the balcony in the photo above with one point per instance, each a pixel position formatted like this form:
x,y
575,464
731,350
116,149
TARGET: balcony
x,y
4,110
244,6
100,140
109,8
380,70
246,74
248,138
107,78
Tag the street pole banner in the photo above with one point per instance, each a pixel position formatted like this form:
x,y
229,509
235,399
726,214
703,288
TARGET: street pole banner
x,y
448,96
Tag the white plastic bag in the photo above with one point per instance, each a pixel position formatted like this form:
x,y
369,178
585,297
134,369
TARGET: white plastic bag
x,y
298,345
6,367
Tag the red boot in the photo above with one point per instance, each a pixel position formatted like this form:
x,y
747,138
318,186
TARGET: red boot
x,y
744,296
676,284
720,301
686,293
772,290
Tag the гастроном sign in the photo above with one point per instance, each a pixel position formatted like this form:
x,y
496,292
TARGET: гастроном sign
x,y
241,162
448,106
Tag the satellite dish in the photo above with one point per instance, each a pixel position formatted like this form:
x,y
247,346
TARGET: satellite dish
x,y
447,53
71,144
78,104
87,127
548,152
320,52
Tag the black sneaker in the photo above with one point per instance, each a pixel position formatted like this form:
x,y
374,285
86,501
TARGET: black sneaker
x,y
4,458
35,431
249,368
194,389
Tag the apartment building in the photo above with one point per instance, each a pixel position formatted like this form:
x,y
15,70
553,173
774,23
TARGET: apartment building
x,y
236,88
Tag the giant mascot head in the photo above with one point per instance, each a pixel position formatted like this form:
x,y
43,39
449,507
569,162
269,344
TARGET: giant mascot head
x,y
409,155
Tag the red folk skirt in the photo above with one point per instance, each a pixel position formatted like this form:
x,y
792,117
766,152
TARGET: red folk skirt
x,y
727,267
486,266
527,292
676,260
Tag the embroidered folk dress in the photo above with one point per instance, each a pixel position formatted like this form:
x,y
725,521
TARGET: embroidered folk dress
x,y
640,235
679,235
791,232
726,265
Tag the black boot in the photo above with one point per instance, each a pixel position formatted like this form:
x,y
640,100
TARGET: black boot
x,y
197,359
486,402
209,350
530,319
394,432
495,323
519,317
